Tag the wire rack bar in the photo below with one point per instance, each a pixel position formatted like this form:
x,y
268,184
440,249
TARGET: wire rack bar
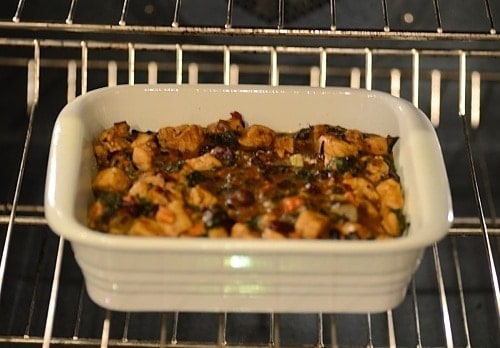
x,y
84,58
71,12
489,14
175,21
415,76
131,64
483,224
368,69
458,272
221,332
437,13
391,332
442,296
385,16
123,15
475,185
369,331
395,82
227,27
274,330
174,328
320,340
33,89
79,312
49,322
254,32
229,15
32,305
17,16
105,329
488,192
322,53
124,46
163,330
462,226
281,14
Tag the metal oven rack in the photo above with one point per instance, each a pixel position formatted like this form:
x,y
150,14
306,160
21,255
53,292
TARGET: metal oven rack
x,y
440,55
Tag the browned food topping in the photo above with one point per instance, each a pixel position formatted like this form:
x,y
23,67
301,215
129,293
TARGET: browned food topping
x,y
186,138
232,180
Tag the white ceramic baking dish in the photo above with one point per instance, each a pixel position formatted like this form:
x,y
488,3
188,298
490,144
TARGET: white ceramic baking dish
x,y
163,274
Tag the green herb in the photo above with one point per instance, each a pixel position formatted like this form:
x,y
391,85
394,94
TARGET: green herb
x,y
403,224
172,167
216,217
194,178
228,138
145,207
112,201
391,141
392,169
305,174
336,131
254,222
343,164
303,134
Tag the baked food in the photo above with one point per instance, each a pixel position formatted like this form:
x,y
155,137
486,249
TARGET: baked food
x,y
229,179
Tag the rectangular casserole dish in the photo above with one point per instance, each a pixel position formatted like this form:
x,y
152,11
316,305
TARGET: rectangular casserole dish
x,y
162,274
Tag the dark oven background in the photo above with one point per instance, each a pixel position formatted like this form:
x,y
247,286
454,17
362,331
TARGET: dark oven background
x,y
409,48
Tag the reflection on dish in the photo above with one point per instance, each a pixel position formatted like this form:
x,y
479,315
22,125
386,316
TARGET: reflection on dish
x,y
238,261
243,289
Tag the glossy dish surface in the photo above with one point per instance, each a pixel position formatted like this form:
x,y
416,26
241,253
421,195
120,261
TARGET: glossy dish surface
x,y
152,274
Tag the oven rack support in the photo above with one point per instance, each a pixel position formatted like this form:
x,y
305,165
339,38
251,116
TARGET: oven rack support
x,y
330,29
404,75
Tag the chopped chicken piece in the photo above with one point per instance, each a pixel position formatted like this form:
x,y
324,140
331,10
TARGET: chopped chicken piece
x,y
243,231
144,226
185,138
111,179
173,219
390,194
96,210
235,123
257,136
116,137
218,232
272,234
150,186
355,137
203,162
361,188
311,224
376,145
283,145
200,197
390,223
352,230
144,148
120,222
334,147
377,169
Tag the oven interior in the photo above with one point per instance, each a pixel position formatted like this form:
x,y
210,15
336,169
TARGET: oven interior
x,y
441,55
